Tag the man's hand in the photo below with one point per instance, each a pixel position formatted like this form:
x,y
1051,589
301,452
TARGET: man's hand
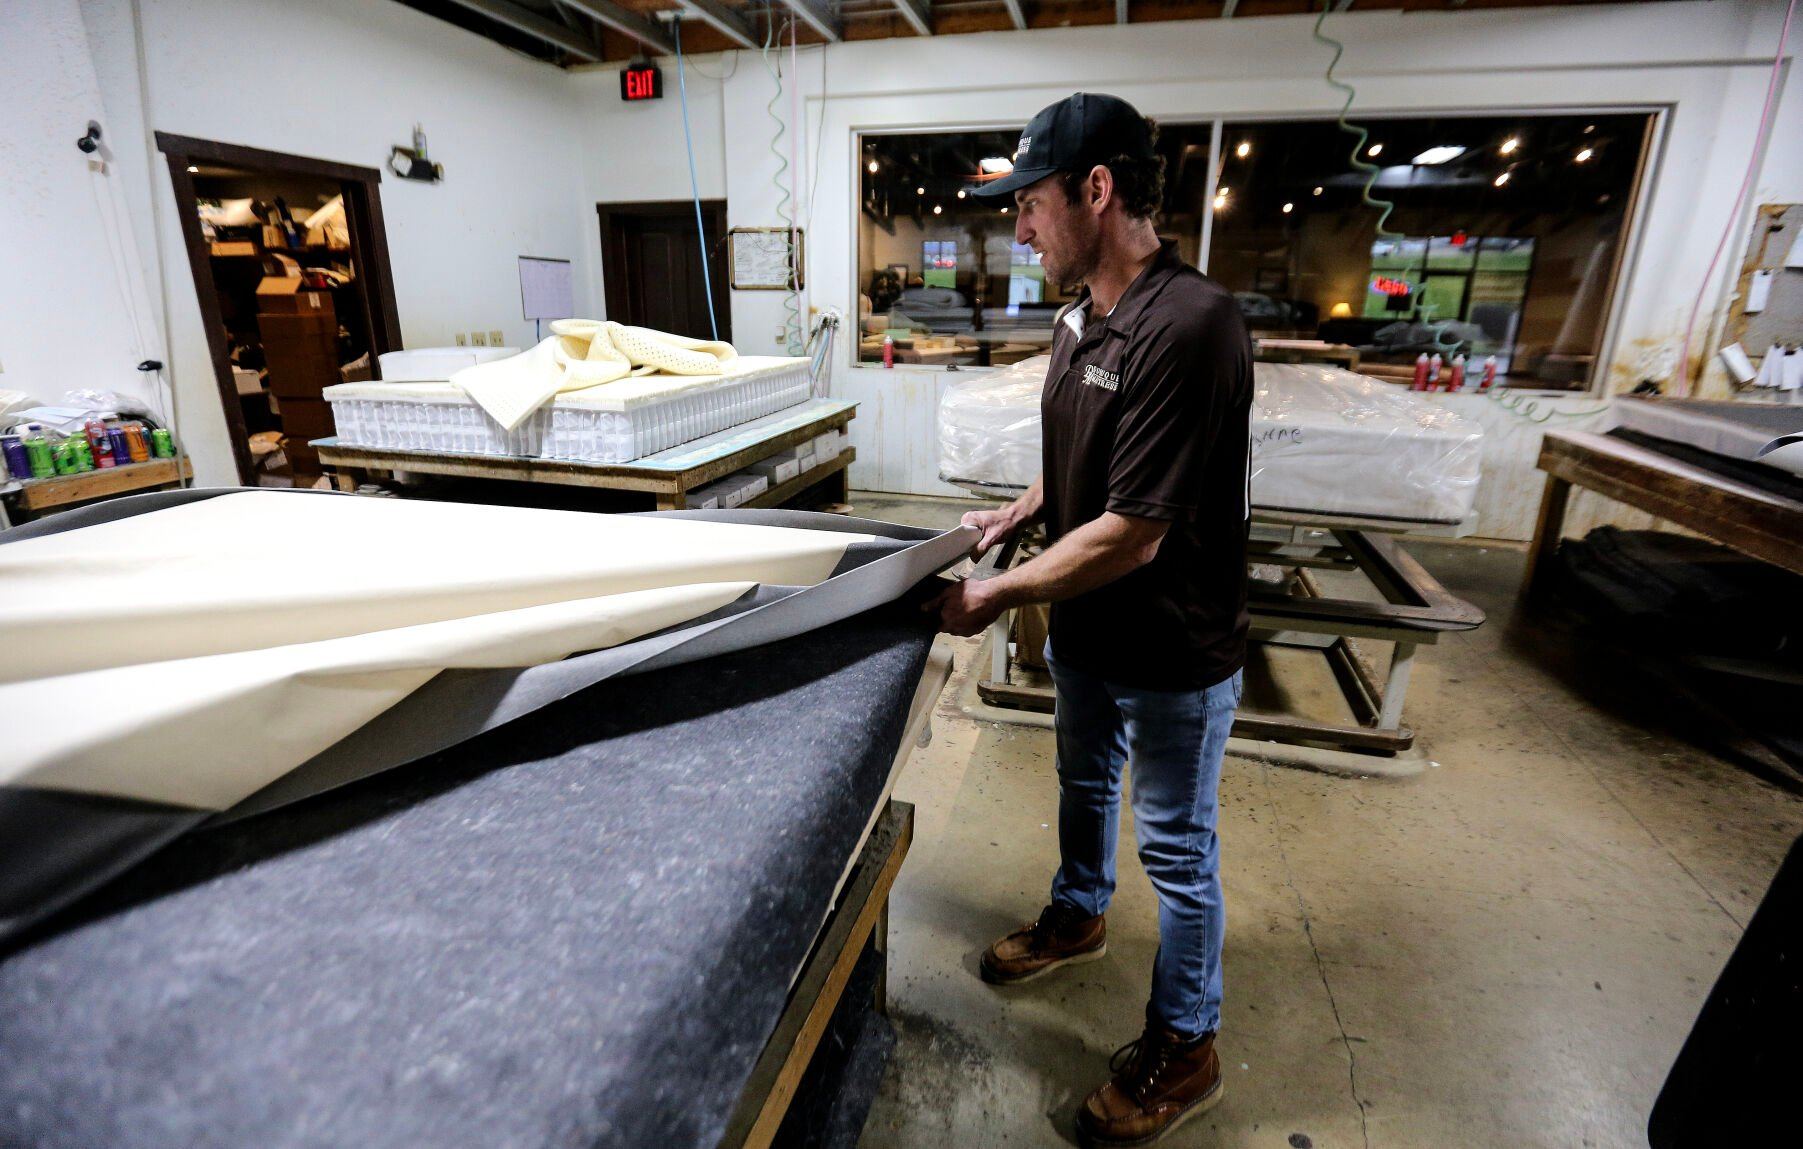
x,y
966,607
996,527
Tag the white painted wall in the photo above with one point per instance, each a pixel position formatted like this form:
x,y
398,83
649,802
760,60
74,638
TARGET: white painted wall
x,y
340,80
1705,65
74,307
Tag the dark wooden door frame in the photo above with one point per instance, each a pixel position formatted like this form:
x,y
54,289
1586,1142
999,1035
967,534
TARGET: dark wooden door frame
x,y
369,254
613,257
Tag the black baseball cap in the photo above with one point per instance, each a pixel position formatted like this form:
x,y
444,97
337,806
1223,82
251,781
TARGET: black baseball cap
x,y
1075,134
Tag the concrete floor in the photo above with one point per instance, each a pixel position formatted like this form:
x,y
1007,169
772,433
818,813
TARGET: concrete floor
x,y
1507,950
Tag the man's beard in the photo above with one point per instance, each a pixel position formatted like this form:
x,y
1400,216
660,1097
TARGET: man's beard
x,y
1079,262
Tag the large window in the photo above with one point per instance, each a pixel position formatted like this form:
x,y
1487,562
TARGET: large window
x,y
939,273
1504,238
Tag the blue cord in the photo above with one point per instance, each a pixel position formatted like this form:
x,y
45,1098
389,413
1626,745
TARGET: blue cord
x,y
707,282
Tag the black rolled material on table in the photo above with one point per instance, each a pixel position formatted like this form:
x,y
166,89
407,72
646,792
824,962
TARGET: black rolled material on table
x,y
577,930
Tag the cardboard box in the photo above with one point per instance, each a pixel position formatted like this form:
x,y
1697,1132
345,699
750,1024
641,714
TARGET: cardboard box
x,y
233,247
807,461
778,468
305,419
289,295
302,352
1031,625
248,382
826,447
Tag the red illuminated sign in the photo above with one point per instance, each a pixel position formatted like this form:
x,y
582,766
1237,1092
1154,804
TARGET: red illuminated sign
x,y
642,82
1383,285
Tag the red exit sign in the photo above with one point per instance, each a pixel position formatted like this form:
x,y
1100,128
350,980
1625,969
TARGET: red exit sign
x,y
1388,286
642,82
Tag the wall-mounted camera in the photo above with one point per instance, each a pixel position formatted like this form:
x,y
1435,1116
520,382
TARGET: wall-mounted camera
x,y
90,143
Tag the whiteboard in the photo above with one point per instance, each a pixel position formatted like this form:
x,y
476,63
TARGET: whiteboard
x,y
547,289
761,258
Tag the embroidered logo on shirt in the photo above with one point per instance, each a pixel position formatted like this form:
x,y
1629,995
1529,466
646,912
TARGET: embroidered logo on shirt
x,y
1094,376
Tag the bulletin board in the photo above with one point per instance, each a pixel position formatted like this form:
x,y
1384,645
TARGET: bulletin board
x,y
1777,231
765,258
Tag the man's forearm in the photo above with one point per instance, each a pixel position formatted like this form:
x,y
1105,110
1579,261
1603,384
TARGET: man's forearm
x,y
1093,555
1027,508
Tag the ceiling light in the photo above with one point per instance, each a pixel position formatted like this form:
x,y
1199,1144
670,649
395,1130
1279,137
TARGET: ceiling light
x,y
193,170
1375,150
960,193
1588,128
937,209
1501,179
872,167
1004,211
920,191
1509,145
995,166
1583,155
1288,208
1319,190
1244,150
1223,191
1440,154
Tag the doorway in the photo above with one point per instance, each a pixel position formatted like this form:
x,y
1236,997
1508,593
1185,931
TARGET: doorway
x,y
651,266
290,263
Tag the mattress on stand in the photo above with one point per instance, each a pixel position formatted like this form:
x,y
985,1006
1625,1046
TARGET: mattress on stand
x,y
1324,441
612,423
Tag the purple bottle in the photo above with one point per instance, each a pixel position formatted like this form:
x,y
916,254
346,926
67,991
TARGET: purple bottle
x,y
121,449
18,463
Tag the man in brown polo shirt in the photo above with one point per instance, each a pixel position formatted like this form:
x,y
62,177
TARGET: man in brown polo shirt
x,y
1146,416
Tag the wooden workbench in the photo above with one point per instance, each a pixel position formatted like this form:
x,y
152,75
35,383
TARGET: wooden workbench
x,y
1757,523
668,475
36,496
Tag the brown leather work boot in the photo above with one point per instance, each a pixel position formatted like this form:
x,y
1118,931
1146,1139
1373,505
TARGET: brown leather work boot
x,y
1062,936
1159,1083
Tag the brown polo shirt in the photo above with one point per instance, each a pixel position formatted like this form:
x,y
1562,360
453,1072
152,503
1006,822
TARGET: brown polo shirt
x,y
1147,413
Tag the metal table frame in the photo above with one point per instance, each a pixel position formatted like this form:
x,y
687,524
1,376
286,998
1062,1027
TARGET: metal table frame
x,y
1416,610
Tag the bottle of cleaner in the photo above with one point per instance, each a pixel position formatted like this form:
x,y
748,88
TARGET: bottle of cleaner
x,y
1458,373
1433,372
1420,383
888,351
1489,374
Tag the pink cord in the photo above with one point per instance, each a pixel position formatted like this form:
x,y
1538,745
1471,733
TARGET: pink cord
x,y
1765,121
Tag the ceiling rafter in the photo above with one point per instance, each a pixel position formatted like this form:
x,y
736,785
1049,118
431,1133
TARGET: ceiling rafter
x,y
626,22
918,13
539,27
723,20
817,16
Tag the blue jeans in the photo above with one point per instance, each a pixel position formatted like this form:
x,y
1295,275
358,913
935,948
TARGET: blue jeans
x,y
1175,739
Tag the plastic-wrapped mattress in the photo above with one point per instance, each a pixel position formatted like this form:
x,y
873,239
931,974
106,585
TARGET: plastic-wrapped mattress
x,y
1324,441
611,423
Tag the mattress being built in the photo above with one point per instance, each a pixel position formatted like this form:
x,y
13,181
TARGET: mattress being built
x,y
610,423
1767,433
1324,441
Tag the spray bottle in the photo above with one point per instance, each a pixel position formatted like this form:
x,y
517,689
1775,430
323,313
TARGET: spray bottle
x,y
1420,383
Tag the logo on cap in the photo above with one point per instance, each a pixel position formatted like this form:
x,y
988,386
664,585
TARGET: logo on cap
x,y
1025,143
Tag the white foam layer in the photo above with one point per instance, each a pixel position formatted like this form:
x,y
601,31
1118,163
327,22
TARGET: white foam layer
x,y
613,423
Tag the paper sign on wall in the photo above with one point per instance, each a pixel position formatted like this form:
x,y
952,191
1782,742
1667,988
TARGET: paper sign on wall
x,y
547,288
